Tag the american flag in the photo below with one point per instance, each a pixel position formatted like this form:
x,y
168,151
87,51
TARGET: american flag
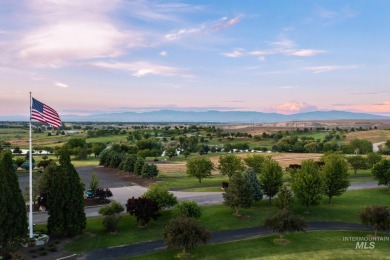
x,y
44,114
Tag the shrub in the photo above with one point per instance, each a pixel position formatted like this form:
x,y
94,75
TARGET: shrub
x,y
377,217
188,209
143,209
111,209
111,222
139,164
161,196
149,171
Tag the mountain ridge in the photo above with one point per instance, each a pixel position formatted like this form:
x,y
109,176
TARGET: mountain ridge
x,y
215,116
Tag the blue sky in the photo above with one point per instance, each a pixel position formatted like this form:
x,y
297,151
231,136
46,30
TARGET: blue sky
x,y
90,56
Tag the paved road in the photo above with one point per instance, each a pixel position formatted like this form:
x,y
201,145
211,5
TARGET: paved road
x,y
121,192
217,237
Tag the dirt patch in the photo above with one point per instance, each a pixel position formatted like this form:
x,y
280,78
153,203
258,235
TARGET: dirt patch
x,y
126,177
53,250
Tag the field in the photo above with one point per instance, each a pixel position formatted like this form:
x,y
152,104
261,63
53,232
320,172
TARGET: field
x,y
374,136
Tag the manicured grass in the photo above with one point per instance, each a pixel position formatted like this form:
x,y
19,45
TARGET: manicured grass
x,y
219,217
182,180
309,245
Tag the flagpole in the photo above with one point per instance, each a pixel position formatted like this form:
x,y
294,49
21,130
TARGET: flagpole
x,y
30,180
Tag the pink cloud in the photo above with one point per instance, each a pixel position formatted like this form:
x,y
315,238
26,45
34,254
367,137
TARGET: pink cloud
x,y
293,107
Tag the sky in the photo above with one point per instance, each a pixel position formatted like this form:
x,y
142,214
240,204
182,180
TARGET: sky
x,y
98,56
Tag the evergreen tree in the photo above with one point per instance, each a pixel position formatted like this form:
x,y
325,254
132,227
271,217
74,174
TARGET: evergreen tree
x,y
308,184
271,177
336,175
239,194
149,171
66,200
13,217
251,177
139,164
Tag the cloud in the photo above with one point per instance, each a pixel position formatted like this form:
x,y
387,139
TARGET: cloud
x,y
293,107
140,69
327,68
284,46
163,53
326,13
205,28
305,53
382,108
62,85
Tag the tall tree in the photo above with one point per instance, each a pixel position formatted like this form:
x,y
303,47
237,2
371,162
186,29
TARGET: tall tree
x,y
251,177
230,164
271,177
336,175
239,194
381,172
199,167
255,161
373,158
308,184
66,200
13,218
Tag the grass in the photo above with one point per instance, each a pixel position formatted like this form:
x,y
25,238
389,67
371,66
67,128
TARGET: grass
x,y
309,245
219,217
181,180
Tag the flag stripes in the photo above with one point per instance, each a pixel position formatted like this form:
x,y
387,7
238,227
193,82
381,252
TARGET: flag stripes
x,y
45,114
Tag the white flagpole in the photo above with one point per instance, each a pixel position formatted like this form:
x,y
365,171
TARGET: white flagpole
x,y
30,180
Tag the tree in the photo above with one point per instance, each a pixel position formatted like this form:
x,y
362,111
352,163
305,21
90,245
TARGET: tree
x,y
336,175
66,200
255,162
361,146
94,184
13,217
230,164
308,184
251,178
373,158
111,216
199,167
97,148
128,163
377,217
357,162
170,152
143,209
139,164
189,209
271,177
284,199
149,171
43,183
185,233
284,221
239,194
381,172
161,195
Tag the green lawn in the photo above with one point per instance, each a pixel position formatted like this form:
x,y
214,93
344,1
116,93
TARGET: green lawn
x,y
219,217
182,180
309,245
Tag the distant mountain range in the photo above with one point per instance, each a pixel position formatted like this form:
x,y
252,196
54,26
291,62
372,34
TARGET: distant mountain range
x,y
209,116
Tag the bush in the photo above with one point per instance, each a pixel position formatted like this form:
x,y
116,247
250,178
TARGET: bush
x,y
161,195
143,209
377,217
139,164
149,171
111,222
111,209
188,209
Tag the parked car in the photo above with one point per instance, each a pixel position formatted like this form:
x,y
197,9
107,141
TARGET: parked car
x,y
90,194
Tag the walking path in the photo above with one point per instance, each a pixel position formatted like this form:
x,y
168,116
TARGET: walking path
x,y
217,237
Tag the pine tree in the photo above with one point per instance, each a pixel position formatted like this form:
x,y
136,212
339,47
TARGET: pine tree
x,y
251,177
13,217
66,200
239,194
